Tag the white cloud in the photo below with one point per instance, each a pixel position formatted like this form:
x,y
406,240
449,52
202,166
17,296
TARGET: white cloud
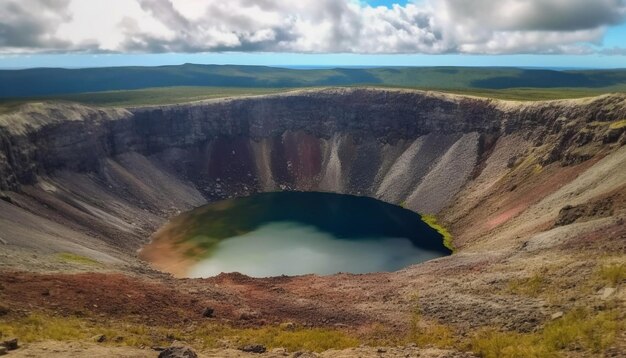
x,y
315,26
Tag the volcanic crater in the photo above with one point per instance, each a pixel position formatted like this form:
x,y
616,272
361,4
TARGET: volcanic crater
x,y
524,188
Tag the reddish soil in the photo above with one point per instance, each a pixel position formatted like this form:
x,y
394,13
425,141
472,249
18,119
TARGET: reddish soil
x,y
235,298
304,153
515,195
113,295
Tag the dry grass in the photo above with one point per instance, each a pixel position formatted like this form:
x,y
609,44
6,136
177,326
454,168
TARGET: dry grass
x,y
579,330
613,274
430,334
434,335
530,286
41,327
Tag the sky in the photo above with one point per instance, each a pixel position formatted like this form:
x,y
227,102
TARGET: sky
x,y
525,33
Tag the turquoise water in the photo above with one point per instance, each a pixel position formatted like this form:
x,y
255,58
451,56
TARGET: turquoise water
x,y
294,233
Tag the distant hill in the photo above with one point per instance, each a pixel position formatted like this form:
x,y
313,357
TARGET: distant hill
x,y
55,81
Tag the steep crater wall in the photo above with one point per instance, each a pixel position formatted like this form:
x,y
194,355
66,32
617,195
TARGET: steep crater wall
x,y
114,175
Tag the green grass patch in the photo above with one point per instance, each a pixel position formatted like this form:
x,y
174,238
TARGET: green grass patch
x,y
70,258
431,220
524,94
494,82
185,94
162,95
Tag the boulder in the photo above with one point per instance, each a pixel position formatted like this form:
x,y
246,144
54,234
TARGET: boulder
x,y
288,326
279,352
556,315
208,312
253,348
178,352
11,344
248,315
99,338
305,355
607,292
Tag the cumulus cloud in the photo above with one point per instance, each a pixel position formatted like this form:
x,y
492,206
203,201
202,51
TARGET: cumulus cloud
x,y
23,28
528,26
308,26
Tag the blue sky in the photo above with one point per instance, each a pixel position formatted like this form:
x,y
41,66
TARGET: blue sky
x,y
387,3
616,36
540,33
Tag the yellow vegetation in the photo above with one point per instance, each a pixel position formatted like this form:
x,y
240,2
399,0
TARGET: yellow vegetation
x,y
429,334
40,327
70,258
613,274
530,286
378,335
618,124
431,220
612,125
434,335
576,330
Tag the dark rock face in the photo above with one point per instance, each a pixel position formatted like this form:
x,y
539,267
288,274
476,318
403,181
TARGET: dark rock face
x,y
570,214
61,141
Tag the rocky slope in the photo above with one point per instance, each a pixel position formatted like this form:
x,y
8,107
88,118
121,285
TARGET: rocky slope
x,y
525,188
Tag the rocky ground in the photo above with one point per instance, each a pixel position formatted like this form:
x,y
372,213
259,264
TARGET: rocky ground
x,y
57,350
534,195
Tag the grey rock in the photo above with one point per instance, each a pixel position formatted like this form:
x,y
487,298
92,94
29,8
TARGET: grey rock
x,y
253,348
178,352
304,355
607,292
556,315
